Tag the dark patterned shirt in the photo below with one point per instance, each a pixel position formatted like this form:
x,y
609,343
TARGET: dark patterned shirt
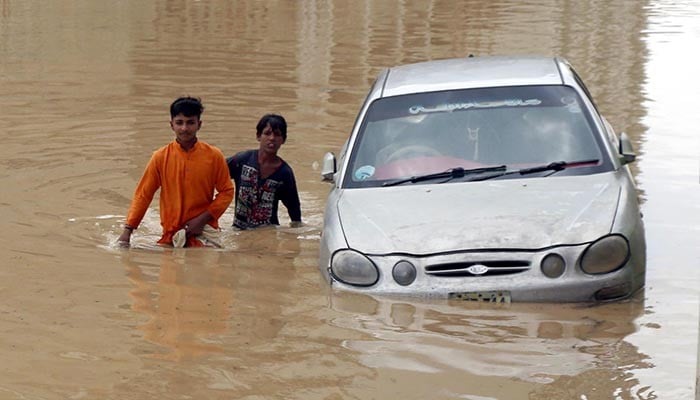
x,y
256,198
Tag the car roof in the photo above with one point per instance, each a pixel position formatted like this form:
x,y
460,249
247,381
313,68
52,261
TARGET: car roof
x,y
471,72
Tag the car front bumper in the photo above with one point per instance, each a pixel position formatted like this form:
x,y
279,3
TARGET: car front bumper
x,y
514,273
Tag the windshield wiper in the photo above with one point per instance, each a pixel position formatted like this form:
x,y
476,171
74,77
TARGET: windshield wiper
x,y
451,173
553,166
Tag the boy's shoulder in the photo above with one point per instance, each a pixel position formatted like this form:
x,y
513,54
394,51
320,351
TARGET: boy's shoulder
x,y
211,149
245,155
207,145
286,168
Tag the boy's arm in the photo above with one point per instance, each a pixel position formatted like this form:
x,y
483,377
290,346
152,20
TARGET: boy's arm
x,y
290,199
224,188
143,195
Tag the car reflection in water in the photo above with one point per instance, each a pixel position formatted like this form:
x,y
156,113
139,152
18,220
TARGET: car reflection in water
x,y
542,349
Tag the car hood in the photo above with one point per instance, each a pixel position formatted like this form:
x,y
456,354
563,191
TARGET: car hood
x,y
506,214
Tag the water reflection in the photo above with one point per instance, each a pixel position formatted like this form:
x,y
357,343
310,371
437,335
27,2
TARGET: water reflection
x,y
222,319
188,301
558,347
201,301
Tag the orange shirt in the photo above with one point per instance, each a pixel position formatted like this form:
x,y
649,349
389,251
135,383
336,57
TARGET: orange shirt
x,y
187,180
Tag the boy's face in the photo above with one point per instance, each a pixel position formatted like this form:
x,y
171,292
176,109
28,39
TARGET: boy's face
x,y
185,127
270,140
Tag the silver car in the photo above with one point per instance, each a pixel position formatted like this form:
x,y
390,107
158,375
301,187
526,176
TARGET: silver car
x,y
487,179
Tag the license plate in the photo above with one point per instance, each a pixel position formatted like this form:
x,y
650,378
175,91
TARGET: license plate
x,y
495,296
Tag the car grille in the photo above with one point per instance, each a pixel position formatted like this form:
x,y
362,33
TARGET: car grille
x,y
476,268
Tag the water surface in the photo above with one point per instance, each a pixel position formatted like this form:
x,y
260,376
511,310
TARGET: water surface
x,y
86,86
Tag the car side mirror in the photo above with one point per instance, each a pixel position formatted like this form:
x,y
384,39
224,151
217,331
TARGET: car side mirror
x,y
626,152
328,168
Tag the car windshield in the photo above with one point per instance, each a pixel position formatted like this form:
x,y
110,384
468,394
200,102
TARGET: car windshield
x,y
520,127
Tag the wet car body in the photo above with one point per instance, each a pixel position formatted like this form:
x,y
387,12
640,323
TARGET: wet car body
x,y
486,178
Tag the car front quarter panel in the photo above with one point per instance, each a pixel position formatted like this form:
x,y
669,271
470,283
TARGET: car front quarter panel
x,y
332,236
629,223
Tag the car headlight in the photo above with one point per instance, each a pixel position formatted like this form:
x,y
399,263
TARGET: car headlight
x,y
553,265
606,254
404,273
354,268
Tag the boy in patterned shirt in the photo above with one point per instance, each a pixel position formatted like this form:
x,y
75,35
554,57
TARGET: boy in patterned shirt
x,y
263,179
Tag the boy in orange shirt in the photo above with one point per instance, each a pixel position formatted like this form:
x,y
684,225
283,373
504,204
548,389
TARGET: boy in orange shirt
x,y
193,178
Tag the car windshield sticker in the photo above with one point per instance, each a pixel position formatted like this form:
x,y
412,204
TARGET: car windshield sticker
x,y
571,104
364,172
417,109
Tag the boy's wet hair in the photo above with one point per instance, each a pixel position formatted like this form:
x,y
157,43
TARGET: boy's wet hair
x,y
277,123
187,106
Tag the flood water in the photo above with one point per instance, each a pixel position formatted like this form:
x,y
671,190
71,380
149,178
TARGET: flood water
x,y
86,87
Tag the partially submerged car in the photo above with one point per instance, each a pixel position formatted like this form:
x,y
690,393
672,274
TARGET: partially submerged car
x,y
483,178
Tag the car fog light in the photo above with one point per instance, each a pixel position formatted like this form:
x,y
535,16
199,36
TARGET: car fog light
x,y
354,268
404,273
605,255
553,265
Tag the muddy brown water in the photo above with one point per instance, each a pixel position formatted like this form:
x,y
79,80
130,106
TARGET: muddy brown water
x,y
85,89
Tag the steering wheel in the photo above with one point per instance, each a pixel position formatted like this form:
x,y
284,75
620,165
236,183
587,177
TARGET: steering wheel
x,y
412,151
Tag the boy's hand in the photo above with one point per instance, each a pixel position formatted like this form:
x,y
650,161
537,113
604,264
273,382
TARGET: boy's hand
x,y
195,226
125,238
